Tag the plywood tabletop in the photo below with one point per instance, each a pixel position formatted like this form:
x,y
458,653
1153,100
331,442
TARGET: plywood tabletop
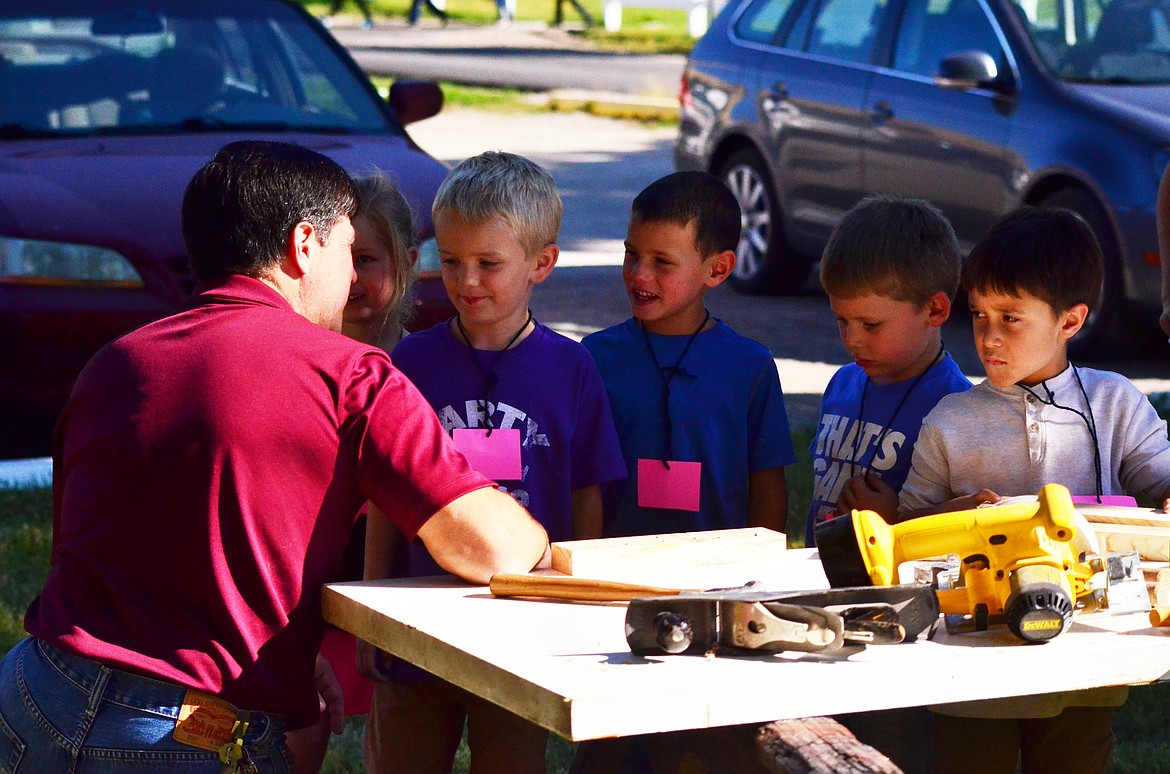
x,y
567,667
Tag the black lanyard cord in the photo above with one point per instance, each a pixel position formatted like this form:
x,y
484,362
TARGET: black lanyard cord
x,y
1089,420
854,464
489,373
667,374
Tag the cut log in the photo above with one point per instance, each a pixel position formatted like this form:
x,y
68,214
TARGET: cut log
x,y
820,745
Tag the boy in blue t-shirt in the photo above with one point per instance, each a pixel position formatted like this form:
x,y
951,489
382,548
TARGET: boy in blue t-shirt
x,y
890,270
698,408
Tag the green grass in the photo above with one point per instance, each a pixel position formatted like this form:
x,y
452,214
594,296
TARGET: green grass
x,y
1141,727
477,97
644,30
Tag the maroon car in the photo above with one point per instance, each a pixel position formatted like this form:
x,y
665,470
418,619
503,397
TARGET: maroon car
x,y
107,108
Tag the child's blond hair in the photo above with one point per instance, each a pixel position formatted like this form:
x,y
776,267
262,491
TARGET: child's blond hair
x,y
502,184
389,214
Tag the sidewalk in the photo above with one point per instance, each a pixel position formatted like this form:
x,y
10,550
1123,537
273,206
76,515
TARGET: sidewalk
x,y
525,55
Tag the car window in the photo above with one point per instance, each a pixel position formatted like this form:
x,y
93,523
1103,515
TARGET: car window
x,y
762,19
102,67
932,30
846,29
1118,41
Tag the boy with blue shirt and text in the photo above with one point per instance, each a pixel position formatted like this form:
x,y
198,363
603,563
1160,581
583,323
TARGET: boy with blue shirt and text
x,y
890,270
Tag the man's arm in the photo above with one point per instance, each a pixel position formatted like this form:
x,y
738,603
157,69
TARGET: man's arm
x,y
587,512
768,499
482,533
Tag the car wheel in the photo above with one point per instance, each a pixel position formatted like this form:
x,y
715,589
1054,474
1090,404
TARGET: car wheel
x,y
764,262
1103,334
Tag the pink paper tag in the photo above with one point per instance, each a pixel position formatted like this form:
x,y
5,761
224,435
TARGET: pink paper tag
x,y
496,456
1122,500
677,488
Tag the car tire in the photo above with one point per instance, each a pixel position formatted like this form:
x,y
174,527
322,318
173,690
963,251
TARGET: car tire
x,y
765,264
1103,335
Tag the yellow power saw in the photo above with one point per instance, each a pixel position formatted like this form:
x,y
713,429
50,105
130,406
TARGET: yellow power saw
x,y
1019,563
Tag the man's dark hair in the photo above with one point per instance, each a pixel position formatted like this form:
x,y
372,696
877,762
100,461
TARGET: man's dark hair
x,y
1051,254
240,208
686,197
904,249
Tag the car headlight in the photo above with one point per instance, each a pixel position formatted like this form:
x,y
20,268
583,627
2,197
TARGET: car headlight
x,y
428,257
36,262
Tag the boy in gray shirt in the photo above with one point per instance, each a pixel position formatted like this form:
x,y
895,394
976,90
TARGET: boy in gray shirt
x,y
1037,419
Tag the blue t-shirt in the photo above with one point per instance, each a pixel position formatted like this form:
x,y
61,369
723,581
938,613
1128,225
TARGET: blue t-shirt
x,y
549,389
846,444
727,412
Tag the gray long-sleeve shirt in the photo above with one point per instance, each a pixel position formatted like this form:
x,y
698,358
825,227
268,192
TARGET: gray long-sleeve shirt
x,y
1006,440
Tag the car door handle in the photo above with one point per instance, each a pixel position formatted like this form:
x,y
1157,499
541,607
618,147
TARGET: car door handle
x,y
882,112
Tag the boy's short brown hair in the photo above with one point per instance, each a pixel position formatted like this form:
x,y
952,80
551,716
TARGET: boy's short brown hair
x,y
1048,253
683,198
904,249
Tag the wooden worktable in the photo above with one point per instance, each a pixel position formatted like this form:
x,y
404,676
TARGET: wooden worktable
x,y
567,667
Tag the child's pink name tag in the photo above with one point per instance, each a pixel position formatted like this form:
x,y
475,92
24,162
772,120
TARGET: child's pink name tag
x,y
497,456
1122,500
677,488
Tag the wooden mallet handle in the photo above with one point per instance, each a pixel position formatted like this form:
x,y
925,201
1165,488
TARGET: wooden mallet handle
x,y
568,587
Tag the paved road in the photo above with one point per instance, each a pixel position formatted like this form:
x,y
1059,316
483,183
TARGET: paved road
x,y
523,55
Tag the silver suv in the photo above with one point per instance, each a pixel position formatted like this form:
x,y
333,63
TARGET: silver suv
x,y
805,106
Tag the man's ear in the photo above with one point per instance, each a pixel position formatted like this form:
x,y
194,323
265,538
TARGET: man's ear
x,y
546,259
299,252
719,268
1072,320
938,309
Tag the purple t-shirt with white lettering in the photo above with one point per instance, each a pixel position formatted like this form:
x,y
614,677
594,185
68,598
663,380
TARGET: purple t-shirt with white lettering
x,y
549,388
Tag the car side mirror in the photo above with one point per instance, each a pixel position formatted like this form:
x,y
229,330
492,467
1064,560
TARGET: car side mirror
x,y
415,100
967,70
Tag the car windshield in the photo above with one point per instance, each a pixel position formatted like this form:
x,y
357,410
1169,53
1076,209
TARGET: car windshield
x,y
132,66
1101,41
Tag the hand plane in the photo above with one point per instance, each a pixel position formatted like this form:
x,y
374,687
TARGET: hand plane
x,y
744,619
734,621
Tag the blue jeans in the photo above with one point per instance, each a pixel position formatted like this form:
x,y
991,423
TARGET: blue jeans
x,y
64,714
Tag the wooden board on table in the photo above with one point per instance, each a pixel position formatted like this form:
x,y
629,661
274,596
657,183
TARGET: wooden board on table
x,y
749,545
1151,543
1116,514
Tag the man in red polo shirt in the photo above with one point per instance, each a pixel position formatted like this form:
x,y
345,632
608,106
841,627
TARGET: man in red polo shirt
x,y
208,470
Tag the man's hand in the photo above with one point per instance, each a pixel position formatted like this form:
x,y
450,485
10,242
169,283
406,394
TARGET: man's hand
x,y
329,695
868,492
